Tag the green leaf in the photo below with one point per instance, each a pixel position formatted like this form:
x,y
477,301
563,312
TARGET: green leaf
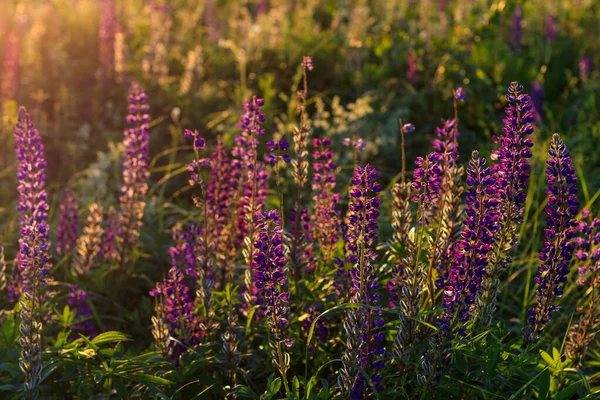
x,y
549,360
109,337
569,391
246,392
544,385
148,379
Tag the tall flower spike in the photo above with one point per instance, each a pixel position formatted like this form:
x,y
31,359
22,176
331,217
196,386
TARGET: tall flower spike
x,y
33,261
175,313
365,340
427,184
67,224
471,257
511,170
587,254
558,247
326,220
270,277
253,184
469,264
135,171
90,243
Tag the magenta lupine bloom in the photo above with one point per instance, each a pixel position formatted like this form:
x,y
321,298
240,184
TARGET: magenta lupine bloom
x,y
68,223
77,301
108,23
471,256
307,63
184,328
560,229
427,182
446,143
510,161
365,339
11,67
460,95
135,169
551,27
326,220
270,273
195,166
33,261
585,67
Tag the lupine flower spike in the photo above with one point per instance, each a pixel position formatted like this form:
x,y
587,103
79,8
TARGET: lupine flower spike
x,y
469,263
587,254
511,170
67,224
135,171
270,277
33,260
364,346
558,246
298,242
77,300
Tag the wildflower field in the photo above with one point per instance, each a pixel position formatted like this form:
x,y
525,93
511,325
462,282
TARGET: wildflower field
x,y
277,199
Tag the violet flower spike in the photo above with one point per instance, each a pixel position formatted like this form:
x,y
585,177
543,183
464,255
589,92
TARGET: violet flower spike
x,y
135,170
32,264
365,340
68,224
558,247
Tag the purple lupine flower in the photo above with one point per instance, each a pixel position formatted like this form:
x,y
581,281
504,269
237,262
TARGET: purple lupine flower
x,y
447,144
460,95
33,205
135,170
184,254
585,68
278,149
11,67
365,340
588,251
471,255
551,27
68,224
270,273
108,23
358,143
412,69
253,183
560,229
195,166
32,264
511,168
517,28
537,100
177,303
427,182
326,219
77,300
